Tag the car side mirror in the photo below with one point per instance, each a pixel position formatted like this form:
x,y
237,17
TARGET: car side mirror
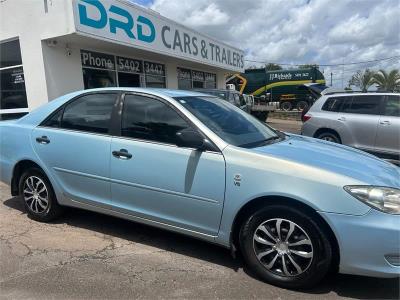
x,y
191,139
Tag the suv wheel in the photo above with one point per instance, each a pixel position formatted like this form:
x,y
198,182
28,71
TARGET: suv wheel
x,y
330,137
38,195
285,247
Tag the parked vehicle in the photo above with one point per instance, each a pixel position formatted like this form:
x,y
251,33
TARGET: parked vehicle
x,y
295,207
367,121
258,109
279,85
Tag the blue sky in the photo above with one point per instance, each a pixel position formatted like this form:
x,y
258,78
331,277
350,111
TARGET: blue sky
x,y
297,31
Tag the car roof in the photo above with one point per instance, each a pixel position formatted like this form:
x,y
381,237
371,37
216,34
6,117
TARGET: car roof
x,y
157,91
360,94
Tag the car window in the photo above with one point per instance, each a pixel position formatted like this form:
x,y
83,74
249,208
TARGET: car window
x,y
90,113
392,106
150,119
364,104
55,119
230,123
334,103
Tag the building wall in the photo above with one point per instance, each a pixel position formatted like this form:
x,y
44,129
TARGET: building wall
x,y
30,23
46,32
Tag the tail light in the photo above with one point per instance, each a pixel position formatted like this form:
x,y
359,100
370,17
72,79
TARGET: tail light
x,y
305,118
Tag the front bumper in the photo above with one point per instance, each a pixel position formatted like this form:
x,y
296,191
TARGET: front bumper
x,y
369,244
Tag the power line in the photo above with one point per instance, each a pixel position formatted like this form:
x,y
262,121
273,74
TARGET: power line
x,y
328,65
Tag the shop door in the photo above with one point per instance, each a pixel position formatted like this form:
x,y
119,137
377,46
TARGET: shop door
x,y
128,80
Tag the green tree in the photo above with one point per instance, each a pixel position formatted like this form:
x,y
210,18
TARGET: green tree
x,y
272,67
389,82
362,79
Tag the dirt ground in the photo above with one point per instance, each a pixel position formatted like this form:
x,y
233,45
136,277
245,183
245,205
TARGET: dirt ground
x,y
86,255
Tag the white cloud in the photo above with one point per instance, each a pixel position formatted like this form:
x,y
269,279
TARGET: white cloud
x,y
298,31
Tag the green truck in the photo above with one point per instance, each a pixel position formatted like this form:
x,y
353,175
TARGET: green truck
x,y
283,86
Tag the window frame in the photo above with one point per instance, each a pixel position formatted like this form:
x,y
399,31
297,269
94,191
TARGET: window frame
x,y
118,121
112,130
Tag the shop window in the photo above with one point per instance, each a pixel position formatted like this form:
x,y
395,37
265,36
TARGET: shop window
x,y
105,70
155,75
10,54
13,100
210,80
188,79
94,78
184,79
198,79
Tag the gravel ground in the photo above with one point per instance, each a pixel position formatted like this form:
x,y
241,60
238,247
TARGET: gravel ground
x,y
86,255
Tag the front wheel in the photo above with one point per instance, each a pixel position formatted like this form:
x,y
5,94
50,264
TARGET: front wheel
x,y
285,247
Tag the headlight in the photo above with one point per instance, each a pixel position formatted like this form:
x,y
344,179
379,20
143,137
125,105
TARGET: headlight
x,y
384,199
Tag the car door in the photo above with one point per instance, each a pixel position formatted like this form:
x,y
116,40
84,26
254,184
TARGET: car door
x,y
388,136
74,145
152,178
359,120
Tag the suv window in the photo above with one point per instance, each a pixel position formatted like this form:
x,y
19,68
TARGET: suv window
x,y
150,119
392,106
364,104
334,103
90,113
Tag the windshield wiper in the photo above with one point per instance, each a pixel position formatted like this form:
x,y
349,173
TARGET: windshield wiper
x,y
262,142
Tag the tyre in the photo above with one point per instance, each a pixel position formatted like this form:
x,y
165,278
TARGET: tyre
x,y
329,136
285,247
302,106
286,106
38,196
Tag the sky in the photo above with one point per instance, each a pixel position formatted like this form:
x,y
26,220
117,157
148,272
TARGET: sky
x,y
298,31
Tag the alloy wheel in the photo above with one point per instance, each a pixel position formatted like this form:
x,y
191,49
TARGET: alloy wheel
x,y
283,247
35,194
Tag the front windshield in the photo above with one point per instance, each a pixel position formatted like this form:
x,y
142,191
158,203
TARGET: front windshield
x,y
230,123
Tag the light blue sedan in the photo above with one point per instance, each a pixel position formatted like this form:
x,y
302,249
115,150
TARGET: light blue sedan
x,y
295,207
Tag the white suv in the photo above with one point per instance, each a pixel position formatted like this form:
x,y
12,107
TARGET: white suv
x,y
368,121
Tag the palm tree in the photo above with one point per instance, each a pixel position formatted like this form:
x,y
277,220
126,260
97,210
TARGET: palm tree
x,y
389,82
362,79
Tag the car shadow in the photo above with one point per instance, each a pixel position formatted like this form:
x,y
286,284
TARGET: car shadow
x,y
357,287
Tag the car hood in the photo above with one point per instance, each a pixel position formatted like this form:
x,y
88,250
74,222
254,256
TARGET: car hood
x,y
335,158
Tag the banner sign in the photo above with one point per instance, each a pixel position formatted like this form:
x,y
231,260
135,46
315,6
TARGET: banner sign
x,y
129,24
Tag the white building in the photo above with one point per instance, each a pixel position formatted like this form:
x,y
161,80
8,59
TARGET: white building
x,y
51,47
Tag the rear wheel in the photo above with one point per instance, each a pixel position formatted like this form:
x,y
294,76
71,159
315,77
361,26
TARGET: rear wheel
x,y
329,136
286,106
285,247
38,195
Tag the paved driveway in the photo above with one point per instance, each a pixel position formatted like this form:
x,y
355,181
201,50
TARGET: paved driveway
x,y
86,255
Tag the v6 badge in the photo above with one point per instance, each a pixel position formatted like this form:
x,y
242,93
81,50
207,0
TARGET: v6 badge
x,y
237,179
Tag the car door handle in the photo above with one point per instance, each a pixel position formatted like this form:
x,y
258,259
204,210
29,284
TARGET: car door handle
x,y
122,154
43,140
384,123
342,119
